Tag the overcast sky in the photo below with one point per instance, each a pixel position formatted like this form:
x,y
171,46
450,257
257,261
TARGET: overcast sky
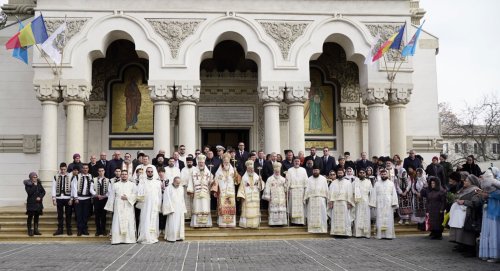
x,y
469,41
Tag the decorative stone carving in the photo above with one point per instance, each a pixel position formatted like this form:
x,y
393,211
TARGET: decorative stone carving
x,y
20,7
297,94
73,27
47,91
260,109
284,33
173,110
376,94
349,112
187,93
174,31
161,92
363,113
269,94
386,31
417,13
399,94
283,110
76,91
30,143
96,110
3,19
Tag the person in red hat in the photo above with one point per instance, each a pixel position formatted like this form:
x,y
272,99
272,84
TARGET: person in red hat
x,y
436,170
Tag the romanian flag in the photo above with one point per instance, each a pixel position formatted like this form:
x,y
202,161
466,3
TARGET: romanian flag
x,y
393,42
33,33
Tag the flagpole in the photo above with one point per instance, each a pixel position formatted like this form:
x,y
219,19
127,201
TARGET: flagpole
x,y
62,49
386,70
46,60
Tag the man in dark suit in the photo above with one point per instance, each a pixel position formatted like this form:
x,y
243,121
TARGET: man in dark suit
x,y
328,162
113,164
177,162
363,163
103,163
241,154
288,162
268,169
317,160
259,162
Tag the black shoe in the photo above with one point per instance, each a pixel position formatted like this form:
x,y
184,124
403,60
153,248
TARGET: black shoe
x,y
58,232
69,232
97,234
85,233
79,233
30,232
36,232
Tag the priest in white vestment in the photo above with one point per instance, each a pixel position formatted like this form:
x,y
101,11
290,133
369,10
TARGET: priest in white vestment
x,y
225,192
200,187
276,193
384,199
149,194
171,171
362,188
249,194
121,202
145,163
186,174
174,208
316,197
340,201
296,178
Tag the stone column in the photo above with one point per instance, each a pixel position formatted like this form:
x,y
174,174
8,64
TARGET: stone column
x,y
75,95
271,96
399,96
95,112
173,115
349,116
363,113
49,96
187,95
296,97
161,95
375,98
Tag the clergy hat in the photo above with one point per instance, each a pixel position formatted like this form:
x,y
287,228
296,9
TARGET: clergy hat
x,y
189,158
249,163
76,155
277,165
201,158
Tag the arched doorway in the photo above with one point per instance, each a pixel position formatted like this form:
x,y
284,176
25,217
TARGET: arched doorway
x,y
228,110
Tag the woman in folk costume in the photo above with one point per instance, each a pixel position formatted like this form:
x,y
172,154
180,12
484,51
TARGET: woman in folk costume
x,y
418,184
489,244
403,187
249,194
226,178
276,193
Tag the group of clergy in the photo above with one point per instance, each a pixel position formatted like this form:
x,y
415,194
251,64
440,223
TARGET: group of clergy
x,y
141,202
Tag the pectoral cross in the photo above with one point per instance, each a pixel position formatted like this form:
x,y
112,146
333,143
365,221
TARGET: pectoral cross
x,y
196,175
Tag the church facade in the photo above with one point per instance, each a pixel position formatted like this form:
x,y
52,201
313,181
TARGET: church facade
x,y
151,75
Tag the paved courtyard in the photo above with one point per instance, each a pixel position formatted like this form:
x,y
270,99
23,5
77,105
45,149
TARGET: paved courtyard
x,y
407,253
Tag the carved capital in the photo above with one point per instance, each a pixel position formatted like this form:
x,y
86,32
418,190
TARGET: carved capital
x,y
271,93
47,91
375,94
161,92
363,113
297,93
19,7
284,33
187,92
349,111
73,27
399,94
96,110
174,31
74,90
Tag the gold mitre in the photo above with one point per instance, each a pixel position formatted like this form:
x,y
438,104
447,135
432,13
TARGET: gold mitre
x,y
249,163
277,165
201,158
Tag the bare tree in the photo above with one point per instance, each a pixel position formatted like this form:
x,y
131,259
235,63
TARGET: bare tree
x,y
478,124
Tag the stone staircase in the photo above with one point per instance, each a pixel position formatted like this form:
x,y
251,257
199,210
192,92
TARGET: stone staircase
x,y
13,228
